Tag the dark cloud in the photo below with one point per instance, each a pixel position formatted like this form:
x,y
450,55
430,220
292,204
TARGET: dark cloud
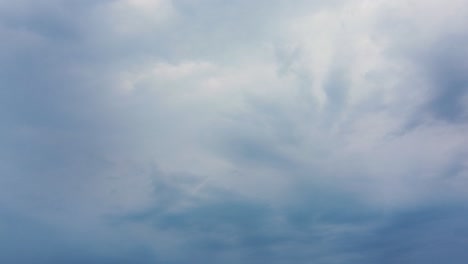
x,y
27,240
424,235
446,67
48,110
319,227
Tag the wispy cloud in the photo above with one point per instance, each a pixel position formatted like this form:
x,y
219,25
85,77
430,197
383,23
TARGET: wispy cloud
x,y
157,131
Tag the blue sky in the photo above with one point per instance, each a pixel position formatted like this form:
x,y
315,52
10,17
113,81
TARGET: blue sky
x,y
209,131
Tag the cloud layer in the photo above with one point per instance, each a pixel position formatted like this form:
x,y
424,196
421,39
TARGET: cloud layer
x,y
158,131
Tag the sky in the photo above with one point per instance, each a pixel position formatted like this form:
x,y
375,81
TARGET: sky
x,y
211,131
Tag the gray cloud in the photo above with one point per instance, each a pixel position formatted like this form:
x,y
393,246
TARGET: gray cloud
x,y
447,65
27,240
177,132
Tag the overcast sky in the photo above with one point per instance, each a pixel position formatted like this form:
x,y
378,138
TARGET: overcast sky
x,y
243,131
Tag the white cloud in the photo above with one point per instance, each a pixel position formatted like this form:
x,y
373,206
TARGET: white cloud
x,y
284,89
135,17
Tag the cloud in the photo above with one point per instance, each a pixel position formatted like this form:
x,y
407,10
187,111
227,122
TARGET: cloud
x,y
182,131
